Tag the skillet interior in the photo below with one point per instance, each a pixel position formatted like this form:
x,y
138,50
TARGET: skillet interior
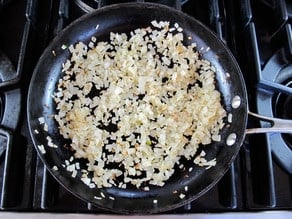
x,y
124,18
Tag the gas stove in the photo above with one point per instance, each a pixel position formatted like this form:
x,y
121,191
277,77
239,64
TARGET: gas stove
x,y
257,32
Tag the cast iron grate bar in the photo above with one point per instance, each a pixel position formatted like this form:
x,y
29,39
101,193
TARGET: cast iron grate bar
x,y
39,172
13,174
5,146
63,15
49,190
227,189
6,142
216,18
281,15
245,12
261,169
5,137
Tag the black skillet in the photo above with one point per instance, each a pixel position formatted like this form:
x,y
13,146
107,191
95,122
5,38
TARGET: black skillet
x,y
124,18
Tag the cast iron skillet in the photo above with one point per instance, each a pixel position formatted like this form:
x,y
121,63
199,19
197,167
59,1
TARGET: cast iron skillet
x,y
124,18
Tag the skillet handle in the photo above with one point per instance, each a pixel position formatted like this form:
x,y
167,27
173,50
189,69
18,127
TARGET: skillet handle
x,y
277,125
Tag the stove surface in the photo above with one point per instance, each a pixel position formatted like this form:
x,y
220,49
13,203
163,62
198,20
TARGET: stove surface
x,y
259,35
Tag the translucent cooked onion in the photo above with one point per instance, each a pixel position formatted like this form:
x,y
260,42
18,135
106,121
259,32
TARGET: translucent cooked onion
x,y
135,105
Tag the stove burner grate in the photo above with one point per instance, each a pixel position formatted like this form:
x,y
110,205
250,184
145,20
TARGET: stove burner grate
x,y
275,102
